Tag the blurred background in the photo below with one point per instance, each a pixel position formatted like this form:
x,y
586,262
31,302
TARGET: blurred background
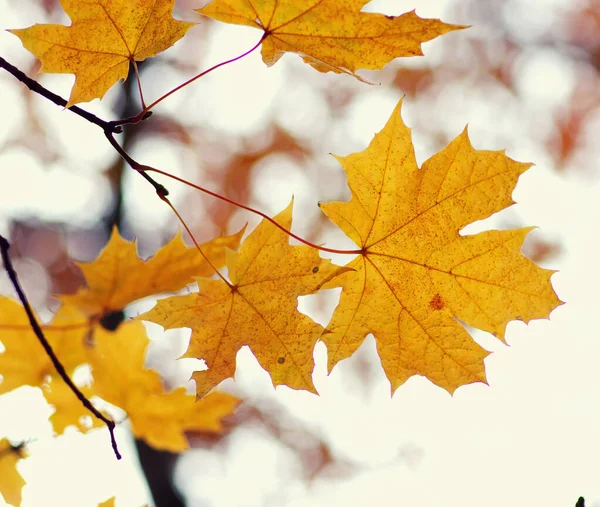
x,y
525,77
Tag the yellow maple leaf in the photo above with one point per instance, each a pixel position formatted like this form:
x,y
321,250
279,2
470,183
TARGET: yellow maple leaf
x,y
416,275
11,482
104,37
24,361
68,409
159,417
258,309
119,277
330,35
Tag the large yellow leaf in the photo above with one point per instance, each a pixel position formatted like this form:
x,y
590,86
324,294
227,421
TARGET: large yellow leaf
x,y
24,361
417,276
330,35
258,310
104,37
11,482
119,277
157,416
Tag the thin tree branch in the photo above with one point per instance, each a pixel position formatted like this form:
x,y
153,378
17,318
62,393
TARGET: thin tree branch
x,y
141,169
36,87
110,128
12,274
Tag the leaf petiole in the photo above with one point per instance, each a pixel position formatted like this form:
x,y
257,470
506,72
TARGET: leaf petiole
x,y
139,83
255,211
168,202
198,76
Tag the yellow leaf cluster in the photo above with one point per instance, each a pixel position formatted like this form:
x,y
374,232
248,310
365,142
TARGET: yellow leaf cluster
x,y
105,37
413,282
117,278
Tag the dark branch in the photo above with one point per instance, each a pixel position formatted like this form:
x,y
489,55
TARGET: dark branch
x,y
109,127
12,274
141,169
36,87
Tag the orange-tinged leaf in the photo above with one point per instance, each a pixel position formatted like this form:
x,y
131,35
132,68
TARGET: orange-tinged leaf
x,y
24,361
330,35
157,416
119,277
11,482
258,310
418,276
104,37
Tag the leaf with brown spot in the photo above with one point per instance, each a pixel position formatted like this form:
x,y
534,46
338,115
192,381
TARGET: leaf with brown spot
x,y
417,276
259,309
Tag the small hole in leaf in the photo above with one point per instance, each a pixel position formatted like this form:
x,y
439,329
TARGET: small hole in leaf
x,y
281,360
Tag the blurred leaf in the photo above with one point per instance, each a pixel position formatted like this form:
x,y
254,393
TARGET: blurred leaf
x,y
157,416
119,277
11,482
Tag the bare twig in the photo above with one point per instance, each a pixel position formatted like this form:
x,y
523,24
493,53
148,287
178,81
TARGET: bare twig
x,y
110,128
12,274
36,87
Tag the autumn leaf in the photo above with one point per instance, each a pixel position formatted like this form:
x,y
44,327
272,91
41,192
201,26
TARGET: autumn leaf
x,y
119,277
11,482
24,361
330,35
416,276
103,39
258,309
68,409
157,416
